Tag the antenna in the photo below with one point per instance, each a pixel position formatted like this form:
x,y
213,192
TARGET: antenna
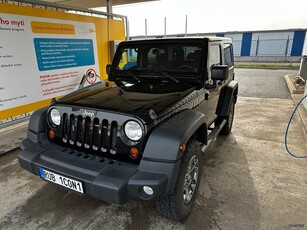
x,y
164,26
186,25
146,28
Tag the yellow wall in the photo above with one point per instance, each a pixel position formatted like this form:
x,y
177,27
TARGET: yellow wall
x,y
116,32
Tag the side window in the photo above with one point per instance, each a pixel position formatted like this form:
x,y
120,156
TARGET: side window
x,y
228,54
215,55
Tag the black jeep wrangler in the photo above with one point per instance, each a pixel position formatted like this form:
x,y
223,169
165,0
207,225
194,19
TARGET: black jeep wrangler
x,y
142,136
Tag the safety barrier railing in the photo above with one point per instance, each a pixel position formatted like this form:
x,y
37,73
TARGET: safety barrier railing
x,y
266,47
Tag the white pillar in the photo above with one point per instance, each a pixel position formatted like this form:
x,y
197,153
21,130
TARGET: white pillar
x,y
305,100
303,74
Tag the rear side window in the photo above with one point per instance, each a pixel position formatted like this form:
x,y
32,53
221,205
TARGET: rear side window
x,y
228,54
215,55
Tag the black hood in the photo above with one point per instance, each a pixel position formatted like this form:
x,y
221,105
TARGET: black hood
x,y
147,101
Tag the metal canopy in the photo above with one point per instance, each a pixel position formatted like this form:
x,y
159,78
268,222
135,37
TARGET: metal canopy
x,y
94,3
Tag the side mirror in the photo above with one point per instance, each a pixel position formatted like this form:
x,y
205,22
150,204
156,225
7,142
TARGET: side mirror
x,y
219,72
108,69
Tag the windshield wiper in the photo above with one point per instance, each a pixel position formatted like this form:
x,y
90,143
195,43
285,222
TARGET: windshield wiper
x,y
130,74
149,72
169,76
134,76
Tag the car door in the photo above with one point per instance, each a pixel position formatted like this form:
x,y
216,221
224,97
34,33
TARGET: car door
x,y
228,59
214,58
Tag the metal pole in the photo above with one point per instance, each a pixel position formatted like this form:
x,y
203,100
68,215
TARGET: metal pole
x,y
257,46
109,11
127,29
164,26
146,28
287,46
109,8
66,8
186,25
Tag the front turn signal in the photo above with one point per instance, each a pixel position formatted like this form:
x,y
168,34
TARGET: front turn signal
x,y
51,134
134,153
182,148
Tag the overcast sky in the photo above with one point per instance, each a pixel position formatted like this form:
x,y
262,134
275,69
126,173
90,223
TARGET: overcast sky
x,y
214,15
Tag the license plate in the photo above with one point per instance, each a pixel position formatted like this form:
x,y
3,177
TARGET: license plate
x,y
61,180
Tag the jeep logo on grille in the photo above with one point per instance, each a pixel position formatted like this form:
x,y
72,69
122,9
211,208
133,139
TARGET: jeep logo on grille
x,y
86,113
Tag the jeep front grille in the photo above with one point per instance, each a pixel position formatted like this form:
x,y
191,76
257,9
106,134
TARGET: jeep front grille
x,y
90,133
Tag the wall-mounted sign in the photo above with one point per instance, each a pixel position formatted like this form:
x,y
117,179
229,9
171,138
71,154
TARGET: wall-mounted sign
x,y
44,54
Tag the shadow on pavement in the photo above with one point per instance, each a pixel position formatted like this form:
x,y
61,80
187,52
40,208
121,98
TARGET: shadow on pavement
x,y
226,198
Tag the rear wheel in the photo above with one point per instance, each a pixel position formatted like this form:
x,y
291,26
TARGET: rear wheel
x,y
178,205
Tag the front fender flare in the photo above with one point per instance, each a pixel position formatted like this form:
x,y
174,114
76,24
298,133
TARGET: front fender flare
x,y
36,128
164,141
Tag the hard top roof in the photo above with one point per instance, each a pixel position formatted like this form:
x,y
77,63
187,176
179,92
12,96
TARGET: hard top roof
x,y
180,39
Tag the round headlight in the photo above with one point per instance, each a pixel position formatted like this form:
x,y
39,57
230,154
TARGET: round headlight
x,y
55,117
133,130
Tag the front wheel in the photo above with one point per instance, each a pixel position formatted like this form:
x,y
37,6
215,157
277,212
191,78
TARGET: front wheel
x,y
178,205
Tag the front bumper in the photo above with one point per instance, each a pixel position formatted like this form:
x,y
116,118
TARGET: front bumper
x,y
103,178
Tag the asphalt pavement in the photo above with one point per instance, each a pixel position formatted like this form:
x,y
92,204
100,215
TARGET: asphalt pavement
x,y
248,181
263,83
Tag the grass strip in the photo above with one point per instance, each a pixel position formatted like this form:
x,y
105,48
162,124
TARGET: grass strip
x,y
267,66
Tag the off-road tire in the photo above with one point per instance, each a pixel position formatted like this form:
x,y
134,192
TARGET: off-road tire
x,y
174,205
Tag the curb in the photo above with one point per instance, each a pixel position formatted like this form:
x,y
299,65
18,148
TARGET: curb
x,y
296,96
11,137
291,86
2,154
301,111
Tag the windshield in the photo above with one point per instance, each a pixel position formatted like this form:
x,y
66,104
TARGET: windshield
x,y
159,57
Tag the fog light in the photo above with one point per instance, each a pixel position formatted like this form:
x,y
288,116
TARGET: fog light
x,y
148,190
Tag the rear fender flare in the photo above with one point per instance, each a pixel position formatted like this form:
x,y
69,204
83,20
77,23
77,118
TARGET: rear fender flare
x,y
227,95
